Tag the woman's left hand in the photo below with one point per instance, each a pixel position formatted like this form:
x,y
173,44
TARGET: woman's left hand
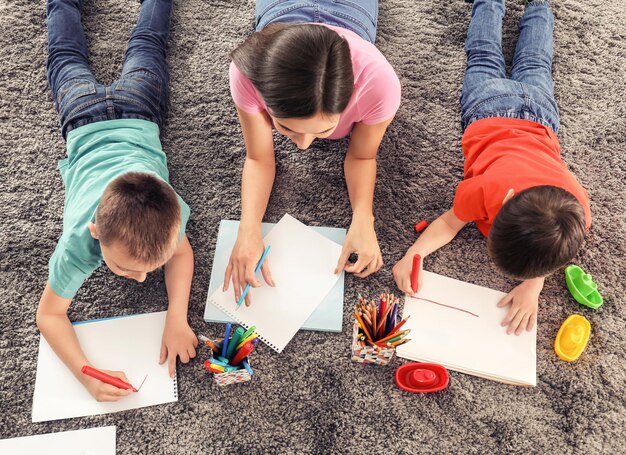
x,y
361,239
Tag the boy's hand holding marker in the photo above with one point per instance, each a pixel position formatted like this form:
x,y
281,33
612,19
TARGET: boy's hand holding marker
x,y
103,391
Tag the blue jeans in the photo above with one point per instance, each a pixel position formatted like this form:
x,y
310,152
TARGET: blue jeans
x,y
529,93
359,16
142,90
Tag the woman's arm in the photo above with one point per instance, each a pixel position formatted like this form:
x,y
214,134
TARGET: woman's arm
x,y
259,170
360,172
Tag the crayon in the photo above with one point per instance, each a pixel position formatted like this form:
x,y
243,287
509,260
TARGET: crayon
x,y
214,368
217,362
226,339
242,353
358,318
234,341
248,332
415,271
107,378
419,227
399,342
246,365
391,337
245,340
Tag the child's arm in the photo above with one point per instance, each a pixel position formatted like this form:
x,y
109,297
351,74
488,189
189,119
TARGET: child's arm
x,y
55,326
524,299
178,338
439,233
257,180
360,172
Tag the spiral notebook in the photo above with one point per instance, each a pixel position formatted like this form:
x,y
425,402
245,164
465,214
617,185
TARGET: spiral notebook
x,y
92,441
129,343
328,316
457,325
302,262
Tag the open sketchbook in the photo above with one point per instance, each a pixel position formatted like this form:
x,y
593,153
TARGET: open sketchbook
x,y
457,325
130,344
328,316
302,263
92,441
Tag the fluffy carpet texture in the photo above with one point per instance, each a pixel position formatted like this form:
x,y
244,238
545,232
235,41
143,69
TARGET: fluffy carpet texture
x,y
311,398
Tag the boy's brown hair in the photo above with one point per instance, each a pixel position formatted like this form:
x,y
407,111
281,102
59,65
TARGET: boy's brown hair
x,y
142,212
536,232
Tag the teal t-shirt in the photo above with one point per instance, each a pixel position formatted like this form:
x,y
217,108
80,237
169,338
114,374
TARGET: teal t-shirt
x,y
96,154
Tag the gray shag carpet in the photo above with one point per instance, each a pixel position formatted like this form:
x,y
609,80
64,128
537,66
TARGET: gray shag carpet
x,y
311,398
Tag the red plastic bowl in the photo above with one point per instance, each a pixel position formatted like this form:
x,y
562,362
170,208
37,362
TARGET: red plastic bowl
x,y
422,377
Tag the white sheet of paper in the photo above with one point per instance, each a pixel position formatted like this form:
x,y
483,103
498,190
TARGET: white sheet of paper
x,y
130,344
463,333
302,263
92,441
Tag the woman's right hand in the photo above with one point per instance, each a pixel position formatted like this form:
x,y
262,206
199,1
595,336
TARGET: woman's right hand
x,y
102,391
244,258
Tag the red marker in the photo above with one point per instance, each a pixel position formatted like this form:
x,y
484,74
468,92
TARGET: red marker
x,y
107,378
415,272
419,227
245,350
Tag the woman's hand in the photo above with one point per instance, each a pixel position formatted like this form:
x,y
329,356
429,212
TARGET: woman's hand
x,y
361,239
244,258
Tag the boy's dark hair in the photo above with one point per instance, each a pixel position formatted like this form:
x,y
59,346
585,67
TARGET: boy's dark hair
x,y
536,232
300,70
142,212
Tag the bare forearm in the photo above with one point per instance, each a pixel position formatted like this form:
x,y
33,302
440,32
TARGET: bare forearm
x,y
60,335
360,180
439,233
178,277
256,186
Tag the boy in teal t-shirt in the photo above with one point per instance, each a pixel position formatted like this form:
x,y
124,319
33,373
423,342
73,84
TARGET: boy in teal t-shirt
x,y
119,206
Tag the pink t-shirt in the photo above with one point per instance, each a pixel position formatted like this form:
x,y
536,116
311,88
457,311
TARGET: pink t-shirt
x,y
376,95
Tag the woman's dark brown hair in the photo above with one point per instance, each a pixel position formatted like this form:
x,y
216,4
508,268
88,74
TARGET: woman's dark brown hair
x,y
300,70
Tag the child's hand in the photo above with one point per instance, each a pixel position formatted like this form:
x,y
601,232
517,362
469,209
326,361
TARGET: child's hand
x,y
102,391
244,258
402,274
361,239
178,341
524,299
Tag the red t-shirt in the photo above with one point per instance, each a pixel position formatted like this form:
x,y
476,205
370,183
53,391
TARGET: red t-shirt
x,y
503,153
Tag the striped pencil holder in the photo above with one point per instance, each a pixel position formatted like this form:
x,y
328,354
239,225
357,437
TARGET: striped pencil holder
x,y
230,377
369,354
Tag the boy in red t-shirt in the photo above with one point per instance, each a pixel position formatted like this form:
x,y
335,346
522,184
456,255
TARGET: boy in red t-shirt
x,y
516,188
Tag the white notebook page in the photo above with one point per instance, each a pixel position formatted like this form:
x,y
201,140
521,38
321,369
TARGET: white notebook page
x,y
462,332
92,441
302,263
130,344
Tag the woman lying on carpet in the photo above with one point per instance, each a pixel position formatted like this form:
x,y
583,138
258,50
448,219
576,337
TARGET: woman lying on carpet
x,y
311,71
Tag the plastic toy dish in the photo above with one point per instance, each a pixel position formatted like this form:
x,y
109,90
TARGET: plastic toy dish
x,y
572,338
422,377
582,288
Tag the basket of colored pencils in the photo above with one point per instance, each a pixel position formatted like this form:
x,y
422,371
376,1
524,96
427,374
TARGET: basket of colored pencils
x,y
229,356
376,330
